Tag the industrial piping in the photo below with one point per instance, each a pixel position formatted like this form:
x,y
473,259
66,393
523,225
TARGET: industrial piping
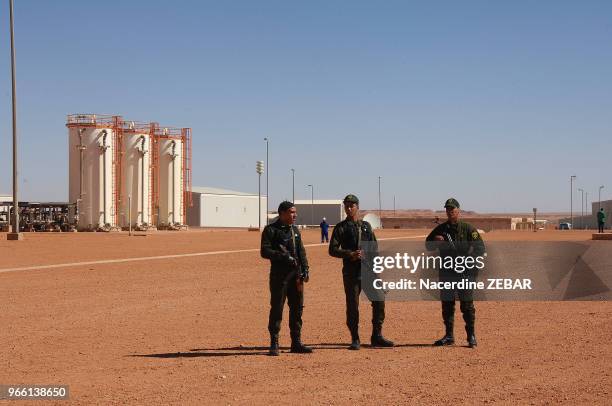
x,y
173,155
143,151
81,148
104,147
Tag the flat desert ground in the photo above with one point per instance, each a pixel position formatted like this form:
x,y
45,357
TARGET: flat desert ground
x,y
181,318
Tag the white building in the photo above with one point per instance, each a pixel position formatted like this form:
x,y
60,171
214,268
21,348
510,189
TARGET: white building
x,y
213,207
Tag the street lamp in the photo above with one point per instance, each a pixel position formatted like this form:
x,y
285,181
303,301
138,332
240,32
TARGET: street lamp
x,y
581,207
311,204
14,235
259,168
293,185
586,208
572,200
601,187
379,200
267,177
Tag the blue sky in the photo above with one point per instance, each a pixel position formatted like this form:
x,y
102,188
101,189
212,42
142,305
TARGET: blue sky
x,y
495,103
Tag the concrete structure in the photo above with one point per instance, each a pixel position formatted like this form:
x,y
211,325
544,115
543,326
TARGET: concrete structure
x,y
589,222
213,207
92,173
311,214
527,223
482,223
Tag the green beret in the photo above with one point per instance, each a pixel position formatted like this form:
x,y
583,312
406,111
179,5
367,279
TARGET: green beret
x,y
452,202
351,199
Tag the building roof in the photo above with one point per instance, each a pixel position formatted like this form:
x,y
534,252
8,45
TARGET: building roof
x,y
205,190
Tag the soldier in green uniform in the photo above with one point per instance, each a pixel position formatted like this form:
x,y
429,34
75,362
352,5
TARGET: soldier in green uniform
x,y
601,220
456,238
346,244
282,244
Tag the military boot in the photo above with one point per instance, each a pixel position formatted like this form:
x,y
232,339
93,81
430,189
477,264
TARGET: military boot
x,y
471,336
448,315
469,315
355,342
297,347
377,339
274,349
448,338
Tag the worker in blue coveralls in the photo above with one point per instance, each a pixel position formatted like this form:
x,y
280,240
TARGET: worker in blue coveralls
x,y
324,230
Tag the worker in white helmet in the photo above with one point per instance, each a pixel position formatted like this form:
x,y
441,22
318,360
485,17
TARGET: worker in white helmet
x,y
324,230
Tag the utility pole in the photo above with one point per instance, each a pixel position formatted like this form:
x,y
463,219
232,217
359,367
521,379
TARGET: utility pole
x,y
379,200
14,235
572,200
293,185
130,214
267,178
259,168
311,203
586,209
581,207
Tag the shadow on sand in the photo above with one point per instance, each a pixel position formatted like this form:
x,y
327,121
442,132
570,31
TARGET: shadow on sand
x,y
255,350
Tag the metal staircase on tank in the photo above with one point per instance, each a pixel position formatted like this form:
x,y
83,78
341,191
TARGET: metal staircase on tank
x,y
117,169
154,176
186,174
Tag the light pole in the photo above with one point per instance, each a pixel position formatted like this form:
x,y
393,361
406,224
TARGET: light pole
x,y
14,235
581,206
379,200
572,199
267,177
601,187
311,204
394,215
130,214
292,185
586,208
259,168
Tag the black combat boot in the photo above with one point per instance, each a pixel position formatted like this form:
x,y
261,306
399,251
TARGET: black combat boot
x,y
297,347
448,315
469,315
355,342
471,337
377,339
274,349
448,338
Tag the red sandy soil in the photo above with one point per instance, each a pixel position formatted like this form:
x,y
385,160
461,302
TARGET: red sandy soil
x,y
192,330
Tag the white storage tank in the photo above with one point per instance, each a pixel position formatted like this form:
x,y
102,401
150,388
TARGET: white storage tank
x,y
170,172
136,176
92,173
